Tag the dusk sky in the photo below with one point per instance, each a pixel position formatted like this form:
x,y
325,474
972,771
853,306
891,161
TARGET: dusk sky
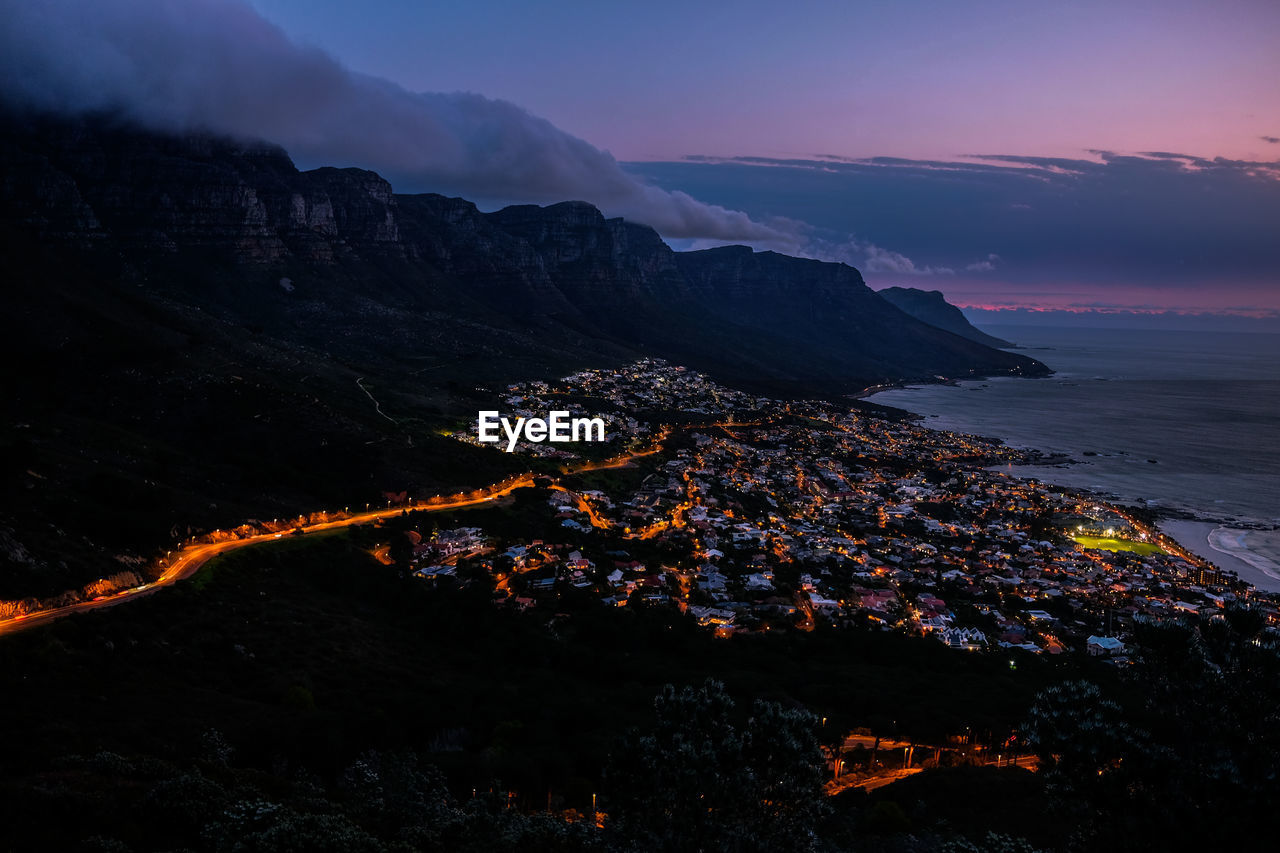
x,y
1091,156
935,79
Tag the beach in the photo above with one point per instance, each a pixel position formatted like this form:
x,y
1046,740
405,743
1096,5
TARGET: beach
x,y
1258,548
1254,555
1175,421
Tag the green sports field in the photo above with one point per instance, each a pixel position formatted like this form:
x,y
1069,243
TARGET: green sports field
x,y
1106,543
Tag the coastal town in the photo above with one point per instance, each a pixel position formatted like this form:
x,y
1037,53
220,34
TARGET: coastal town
x,y
751,514
742,516
763,515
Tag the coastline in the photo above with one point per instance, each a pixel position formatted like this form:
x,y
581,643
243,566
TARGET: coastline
x,y
1129,410
1251,553
1261,551
1224,547
1256,561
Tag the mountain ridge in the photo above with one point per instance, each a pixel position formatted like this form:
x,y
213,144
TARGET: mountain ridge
x,y
144,194
932,307
202,326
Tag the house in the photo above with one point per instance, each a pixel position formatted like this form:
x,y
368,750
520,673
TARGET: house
x,y
712,615
823,604
434,572
712,581
969,639
1104,646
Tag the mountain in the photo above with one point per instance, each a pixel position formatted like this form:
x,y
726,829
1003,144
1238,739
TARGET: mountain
x,y
930,306
349,245
200,332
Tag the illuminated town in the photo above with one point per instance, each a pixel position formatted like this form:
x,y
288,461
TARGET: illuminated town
x,y
769,515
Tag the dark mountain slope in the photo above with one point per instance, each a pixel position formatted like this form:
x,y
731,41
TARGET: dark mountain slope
x,y
805,306
344,238
930,306
192,325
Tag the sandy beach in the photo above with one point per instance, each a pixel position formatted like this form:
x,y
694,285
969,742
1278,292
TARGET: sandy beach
x,y
1133,409
1254,555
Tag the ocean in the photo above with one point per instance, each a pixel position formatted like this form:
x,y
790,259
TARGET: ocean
x,y
1183,420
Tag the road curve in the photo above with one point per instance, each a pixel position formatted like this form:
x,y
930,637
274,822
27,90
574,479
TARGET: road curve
x,y
191,557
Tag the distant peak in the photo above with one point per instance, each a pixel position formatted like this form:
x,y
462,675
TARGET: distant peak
x,y
932,307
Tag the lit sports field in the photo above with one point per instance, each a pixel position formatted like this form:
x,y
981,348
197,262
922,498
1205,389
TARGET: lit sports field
x,y
1106,543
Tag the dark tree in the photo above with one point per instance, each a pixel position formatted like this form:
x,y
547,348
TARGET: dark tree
x,y
1184,752
707,778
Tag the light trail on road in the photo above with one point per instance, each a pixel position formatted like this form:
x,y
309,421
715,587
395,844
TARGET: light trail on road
x,y
192,557
189,560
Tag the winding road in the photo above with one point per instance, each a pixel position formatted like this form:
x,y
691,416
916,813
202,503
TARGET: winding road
x,y
190,558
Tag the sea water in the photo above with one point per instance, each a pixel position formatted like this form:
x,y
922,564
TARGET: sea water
x,y
1184,420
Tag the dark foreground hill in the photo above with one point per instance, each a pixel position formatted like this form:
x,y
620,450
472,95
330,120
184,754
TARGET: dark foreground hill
x,y
930,306
197,332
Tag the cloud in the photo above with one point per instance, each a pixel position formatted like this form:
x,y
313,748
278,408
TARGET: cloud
x,y
1274,140
1003,316
984,266
1180,224
217,65
866,256
885,260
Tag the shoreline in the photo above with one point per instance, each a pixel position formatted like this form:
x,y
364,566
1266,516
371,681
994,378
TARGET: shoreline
x,y
1250,552
1262,554
1217,541
949,381
1199,536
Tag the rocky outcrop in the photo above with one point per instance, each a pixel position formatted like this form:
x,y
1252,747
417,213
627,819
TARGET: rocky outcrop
x,y
141,197
196,325
930,306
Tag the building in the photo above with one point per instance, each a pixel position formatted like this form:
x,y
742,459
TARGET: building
x,y
1104,646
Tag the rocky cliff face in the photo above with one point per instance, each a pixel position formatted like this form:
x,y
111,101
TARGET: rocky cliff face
x,y
930,306
141,198
197,327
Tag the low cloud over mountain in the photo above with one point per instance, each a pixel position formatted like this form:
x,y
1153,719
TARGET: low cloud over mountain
x,y
218,65
1177,230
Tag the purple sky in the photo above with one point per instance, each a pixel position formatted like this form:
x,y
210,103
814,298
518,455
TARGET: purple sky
x,y
662,80
912,80
1087,156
